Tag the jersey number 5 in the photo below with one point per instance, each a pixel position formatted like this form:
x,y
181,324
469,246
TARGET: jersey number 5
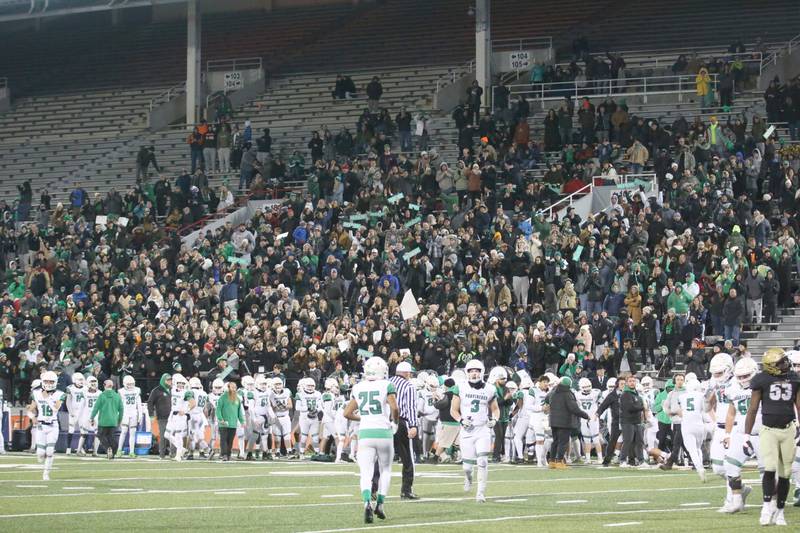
x,y
370,397
780,391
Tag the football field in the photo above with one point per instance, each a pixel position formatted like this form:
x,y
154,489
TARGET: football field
x,y
93,494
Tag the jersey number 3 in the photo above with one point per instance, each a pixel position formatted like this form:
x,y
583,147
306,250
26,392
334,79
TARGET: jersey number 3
x,y
370,397
780,391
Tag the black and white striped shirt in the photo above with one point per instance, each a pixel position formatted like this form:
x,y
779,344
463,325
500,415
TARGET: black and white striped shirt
x,y
406,400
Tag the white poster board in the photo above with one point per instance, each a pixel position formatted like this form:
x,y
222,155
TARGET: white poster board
x,y
233,80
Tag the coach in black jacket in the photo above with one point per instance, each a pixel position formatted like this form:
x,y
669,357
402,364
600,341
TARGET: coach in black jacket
x,y
631,416
611,402
564,414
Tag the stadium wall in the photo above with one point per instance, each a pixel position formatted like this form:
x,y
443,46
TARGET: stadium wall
x,y
178,11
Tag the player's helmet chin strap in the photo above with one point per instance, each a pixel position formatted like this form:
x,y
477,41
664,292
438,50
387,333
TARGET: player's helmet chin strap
x,y
477,384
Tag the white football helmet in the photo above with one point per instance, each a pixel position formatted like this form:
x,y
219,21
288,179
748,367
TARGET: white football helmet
x,y
329,383
248,382
721,367
309,386
261,383
422,375
91,382
692,386
512,386
217,386
195,383
496,374
794,358
128,382
418,384
611,384
277,385
459,376
473,365
585,385
78,379
179,382
50,380
647,383
432,382
36,384
744,371
375,368
526,383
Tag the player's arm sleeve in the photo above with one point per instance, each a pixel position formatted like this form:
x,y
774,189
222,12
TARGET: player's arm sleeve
x,y
96,407
120,409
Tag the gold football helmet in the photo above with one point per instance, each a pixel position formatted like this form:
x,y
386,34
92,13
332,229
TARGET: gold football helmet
x,y
775,362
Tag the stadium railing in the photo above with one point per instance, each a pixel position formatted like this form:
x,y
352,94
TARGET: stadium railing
x,y
624,182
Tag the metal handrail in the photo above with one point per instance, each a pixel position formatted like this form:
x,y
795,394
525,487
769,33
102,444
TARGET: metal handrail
x,y
453,73
507,45
167,95
608,87
239,63
570,199
786,47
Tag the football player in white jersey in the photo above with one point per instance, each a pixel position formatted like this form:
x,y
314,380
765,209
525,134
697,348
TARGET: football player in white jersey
x,y
132,412
735,442
36,385
794,358
308,402
538,423
588,400
721,368
429,415
76,397
197,419
282,428
475,406
374,406
332,406
521,421
45,405
87,424
244,432
263,413
691,407
182,403
217,387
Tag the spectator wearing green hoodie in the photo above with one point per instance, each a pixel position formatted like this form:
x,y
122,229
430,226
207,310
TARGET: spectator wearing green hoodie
x,y
671,408
159,405
679,300
664,420
108,410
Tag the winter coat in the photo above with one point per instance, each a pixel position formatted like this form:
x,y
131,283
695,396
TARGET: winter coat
x,y
564,410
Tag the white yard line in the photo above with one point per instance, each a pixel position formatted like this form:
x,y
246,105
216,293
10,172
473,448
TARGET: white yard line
x,y
284,494
33,487
126,490
571,501
229,492
505,519
632,503
78,488
695,504
623,524
512,500
337,496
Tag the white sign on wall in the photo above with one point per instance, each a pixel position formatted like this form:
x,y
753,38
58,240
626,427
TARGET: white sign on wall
x,y
233,80
519,60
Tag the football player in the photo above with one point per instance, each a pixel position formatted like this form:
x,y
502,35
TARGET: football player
x,y
217,387
691,406
87,424
131,415
282,428
245,432
36,385
263,413
45,405
776,389
374,407
538,423
197,419
475,407
721,368
309,406
737,453
182,403
76,397
588,400
794,358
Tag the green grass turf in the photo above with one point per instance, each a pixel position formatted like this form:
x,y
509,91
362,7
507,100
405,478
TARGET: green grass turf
x,y
291,497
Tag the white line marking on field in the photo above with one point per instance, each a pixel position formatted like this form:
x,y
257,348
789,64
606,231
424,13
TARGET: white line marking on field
x,y
314,473
632,503
571,501
229,492
623,524
695,504
284,494
512,500
336,496
126,490
31,486
78,488
506,519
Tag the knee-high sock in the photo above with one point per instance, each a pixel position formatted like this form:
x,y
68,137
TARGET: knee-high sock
x,y
483,473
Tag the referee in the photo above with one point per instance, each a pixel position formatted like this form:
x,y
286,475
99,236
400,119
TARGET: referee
x,y
406,430
777,391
